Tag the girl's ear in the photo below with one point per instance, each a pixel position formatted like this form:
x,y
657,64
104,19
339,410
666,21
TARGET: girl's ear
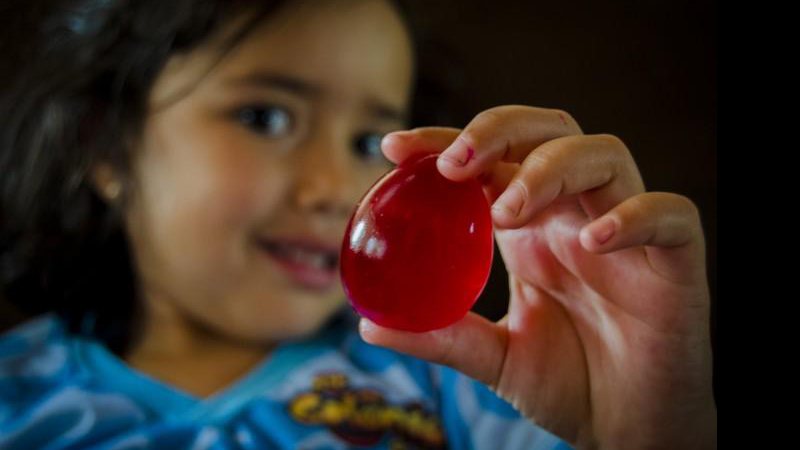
x,y
106,182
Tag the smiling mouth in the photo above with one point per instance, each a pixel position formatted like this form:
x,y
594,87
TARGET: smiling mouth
x,y
306,263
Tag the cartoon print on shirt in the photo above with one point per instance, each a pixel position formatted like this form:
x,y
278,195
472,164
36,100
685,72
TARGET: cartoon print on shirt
x,y
362,416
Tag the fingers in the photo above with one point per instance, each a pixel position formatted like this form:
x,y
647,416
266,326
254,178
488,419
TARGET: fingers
x,y
496,181
530,155
599,167
474,345
505,133
667,224
400,145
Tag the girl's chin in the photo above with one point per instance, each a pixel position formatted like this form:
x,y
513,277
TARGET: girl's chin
x,y
263,326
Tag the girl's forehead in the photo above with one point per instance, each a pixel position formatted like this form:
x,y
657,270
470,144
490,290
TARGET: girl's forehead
x,y
334,44
364,40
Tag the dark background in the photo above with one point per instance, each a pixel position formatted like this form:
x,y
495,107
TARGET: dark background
x,y
644,71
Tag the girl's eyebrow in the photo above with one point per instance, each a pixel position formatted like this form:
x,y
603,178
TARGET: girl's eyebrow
x,y
288,83
304,88
384,111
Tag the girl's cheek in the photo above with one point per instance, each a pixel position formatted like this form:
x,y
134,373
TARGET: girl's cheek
x,y
235,173
367,177
252,194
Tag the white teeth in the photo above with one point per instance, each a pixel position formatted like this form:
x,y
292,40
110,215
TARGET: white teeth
x,y
297,254
315,259
320,261
301,256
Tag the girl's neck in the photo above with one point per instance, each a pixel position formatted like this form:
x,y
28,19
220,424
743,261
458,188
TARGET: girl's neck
x,y
178,351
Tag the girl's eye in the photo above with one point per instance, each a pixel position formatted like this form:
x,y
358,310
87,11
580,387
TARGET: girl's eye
x,y
266,120
368,147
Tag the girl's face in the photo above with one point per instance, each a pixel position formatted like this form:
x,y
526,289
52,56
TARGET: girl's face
x,y
248,169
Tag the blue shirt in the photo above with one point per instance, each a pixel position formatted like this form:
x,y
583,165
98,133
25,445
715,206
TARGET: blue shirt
x,y
330,391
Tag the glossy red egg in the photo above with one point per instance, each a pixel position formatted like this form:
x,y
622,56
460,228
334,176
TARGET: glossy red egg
x,y
418,250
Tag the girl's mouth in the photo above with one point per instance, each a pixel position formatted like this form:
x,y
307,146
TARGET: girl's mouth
x,y
307,262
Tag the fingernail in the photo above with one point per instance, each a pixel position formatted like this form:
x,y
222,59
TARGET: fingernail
x,y
394,135
458,154
603,230
510,203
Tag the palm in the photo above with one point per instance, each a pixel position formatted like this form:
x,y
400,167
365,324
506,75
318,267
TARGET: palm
x,y
580,323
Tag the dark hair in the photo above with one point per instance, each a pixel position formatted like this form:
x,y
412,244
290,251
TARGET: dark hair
x,y
76,78
74,93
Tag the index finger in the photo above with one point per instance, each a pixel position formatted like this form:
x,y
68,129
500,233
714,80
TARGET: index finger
x,y
505,133
398,146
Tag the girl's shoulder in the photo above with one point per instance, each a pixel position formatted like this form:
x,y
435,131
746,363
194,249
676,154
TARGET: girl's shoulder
x,y
35,362
33,359
34,352
45,397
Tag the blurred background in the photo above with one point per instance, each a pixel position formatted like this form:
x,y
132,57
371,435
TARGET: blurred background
x,y
644,71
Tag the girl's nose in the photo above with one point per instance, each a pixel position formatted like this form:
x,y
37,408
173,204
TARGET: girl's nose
x,y
325,185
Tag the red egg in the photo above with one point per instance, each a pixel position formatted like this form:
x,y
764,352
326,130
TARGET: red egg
x,y
418,250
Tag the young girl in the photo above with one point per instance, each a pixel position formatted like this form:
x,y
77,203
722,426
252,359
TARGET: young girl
x,y
176,180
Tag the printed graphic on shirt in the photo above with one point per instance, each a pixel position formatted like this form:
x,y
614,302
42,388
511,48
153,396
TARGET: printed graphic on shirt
x,y
362,417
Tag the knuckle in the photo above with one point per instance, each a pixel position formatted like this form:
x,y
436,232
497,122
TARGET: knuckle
x,y
491,118
571,144
641,205
677,200
688,206
672,202
542,157
498,115
555,153
621,156
615,143
610,139
561,149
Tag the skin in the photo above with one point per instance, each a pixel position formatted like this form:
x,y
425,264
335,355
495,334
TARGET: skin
x,y
605,344
606,341
207,184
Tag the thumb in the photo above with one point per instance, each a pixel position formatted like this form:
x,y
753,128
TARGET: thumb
x,y
474,346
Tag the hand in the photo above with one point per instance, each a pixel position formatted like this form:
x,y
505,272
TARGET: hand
x,y
606,342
